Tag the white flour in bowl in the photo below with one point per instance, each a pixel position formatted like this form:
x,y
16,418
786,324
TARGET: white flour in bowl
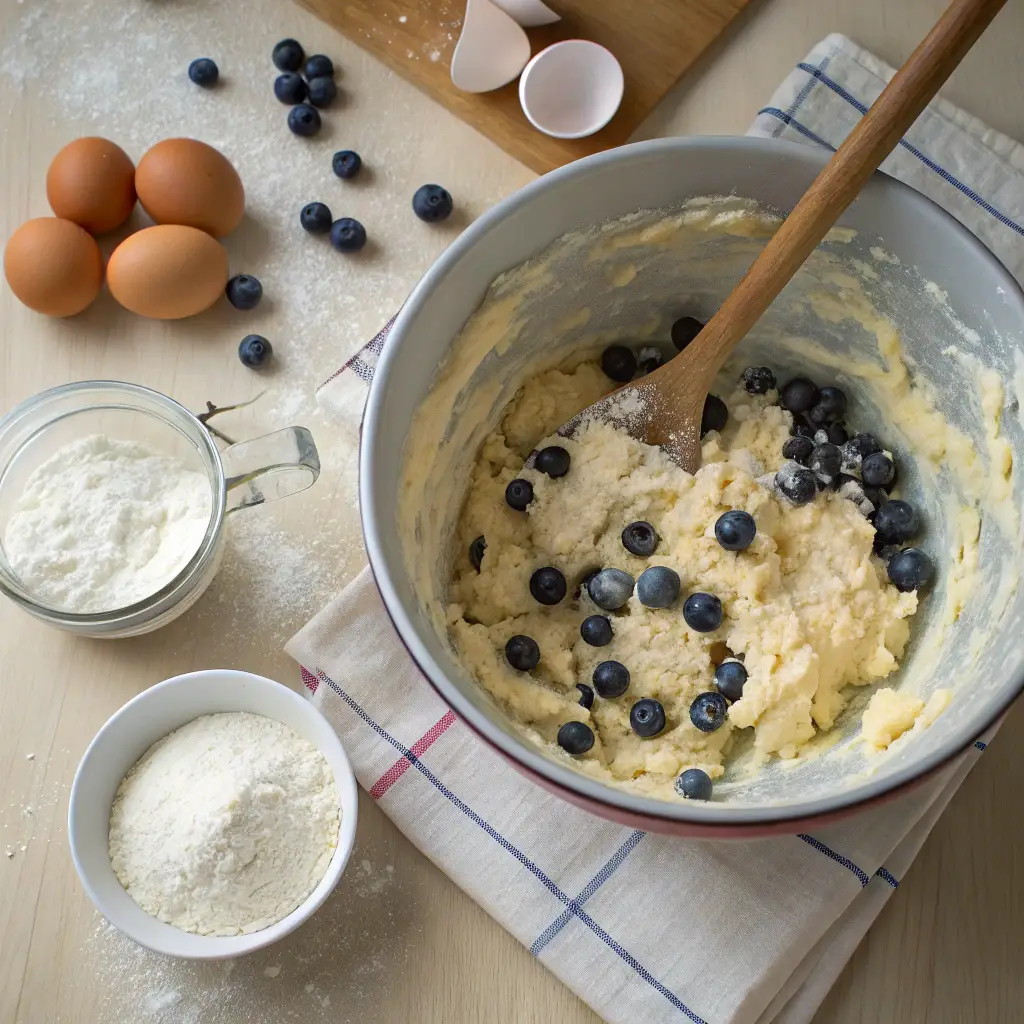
x,y
226,825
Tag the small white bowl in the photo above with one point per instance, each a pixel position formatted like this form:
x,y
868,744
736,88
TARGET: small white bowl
x,y
128,734
572,89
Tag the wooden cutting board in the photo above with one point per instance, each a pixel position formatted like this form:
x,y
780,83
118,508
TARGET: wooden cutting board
x,y
654,40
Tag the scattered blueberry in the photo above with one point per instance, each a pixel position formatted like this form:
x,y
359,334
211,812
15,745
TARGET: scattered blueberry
x,y
896,522
288,55
290,88
796,483
522,652
348,235
610,589
204,72
596,630
254,351
649,359
610,679
830,407
476,552
837,434
586,695
703,612
647,717
304,120
825,462
519,494
318,66
658,587
694,784
640,539
715,416
548,585
575,738
878,470
684,330
346,163
735,530
798,449
909,569
244,291
552,461
758,380
729,678
708,711
799,395
619,363
322,91
316,218
431,203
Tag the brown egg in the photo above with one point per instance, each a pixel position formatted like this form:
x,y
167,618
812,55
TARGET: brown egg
x,y
182,181
92,182
168,272
53,266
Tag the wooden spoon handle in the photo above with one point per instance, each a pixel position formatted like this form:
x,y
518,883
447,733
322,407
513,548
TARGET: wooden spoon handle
x,y
842,178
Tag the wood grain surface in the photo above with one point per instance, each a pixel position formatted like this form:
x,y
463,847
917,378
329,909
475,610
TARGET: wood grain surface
x,y
397,941
655,41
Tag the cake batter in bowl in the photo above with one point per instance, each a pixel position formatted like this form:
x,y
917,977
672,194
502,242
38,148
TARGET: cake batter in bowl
x,y
901,307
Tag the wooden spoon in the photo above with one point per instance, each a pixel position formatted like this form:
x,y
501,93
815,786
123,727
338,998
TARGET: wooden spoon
x,y
665,407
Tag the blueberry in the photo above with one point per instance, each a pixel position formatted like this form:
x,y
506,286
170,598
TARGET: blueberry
x,y
876,495
703,612
796,483
640,539
244,291
304,120
684,330
619,363
798,395
322,91
254,351
346,163
837,434
694,784
610,679
878,470
735,530
803,430
548,585
758,380
316,218
290,88
318,66
825,462
729,678
909,569
708,711
476,552
575,738
864,444
586,695
204,72
649,359
288,55
896,522
522,652
431,203
596,630
829,408
798,449
552,461
647,717
715,415
348,235
519,494
610,589
658,587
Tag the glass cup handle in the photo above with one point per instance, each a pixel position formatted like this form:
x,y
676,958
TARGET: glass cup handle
x,y
269,467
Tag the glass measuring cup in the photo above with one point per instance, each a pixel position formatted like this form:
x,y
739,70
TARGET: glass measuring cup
x,y
248,473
